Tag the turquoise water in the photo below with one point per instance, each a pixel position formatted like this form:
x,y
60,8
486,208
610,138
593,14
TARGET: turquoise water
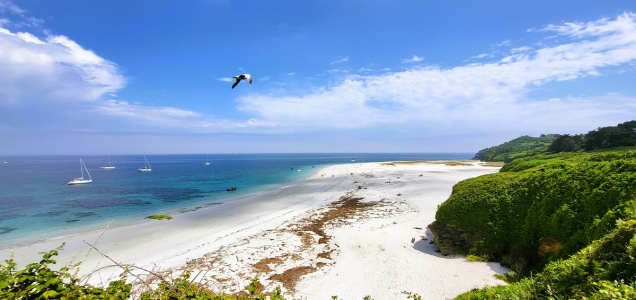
x,y
36,203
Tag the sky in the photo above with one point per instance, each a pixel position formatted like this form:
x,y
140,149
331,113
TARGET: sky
x,y
352,76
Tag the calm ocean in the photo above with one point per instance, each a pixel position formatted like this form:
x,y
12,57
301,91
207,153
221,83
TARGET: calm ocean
x,y
36,202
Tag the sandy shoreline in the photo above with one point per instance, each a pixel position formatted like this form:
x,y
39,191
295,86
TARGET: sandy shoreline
x,y
346,231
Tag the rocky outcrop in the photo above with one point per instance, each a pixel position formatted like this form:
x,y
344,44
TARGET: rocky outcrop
x,y
448,238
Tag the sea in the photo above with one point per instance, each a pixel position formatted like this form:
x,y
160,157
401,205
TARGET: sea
x,y
36,203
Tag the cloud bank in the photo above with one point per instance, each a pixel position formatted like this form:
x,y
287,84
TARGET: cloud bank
x,y
55,80
476,97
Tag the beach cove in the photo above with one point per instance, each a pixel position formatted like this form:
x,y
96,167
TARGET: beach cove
x,y
346,230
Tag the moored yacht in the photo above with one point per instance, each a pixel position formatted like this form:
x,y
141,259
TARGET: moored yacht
x,y
81,180
146,167
109,167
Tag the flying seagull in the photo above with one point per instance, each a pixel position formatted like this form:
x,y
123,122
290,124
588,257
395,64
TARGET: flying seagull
x,y
241,77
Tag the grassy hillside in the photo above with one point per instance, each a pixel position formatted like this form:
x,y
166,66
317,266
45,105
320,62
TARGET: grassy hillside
x,y
568,216
520,147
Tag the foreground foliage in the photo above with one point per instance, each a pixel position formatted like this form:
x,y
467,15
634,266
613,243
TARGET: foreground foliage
x,y
40,281
569,218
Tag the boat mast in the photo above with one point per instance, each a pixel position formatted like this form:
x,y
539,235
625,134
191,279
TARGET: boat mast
x,y
89,174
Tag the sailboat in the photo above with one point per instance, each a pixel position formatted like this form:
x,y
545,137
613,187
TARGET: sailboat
x,y
146,167
207,161
5,161
353,158
81,179
109,167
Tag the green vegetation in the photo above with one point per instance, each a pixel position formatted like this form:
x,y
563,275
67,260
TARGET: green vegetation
x,y
520,147
39,281
159,217
621,135
564,223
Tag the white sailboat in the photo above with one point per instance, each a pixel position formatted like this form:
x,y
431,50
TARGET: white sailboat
x,y
5,161
109,167
81,179
146,167
207,161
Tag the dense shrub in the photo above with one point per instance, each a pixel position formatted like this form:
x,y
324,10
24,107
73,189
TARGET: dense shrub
x,y
571,198
570,218
603,270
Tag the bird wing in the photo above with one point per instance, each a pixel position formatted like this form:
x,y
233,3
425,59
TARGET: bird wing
x,y
236,82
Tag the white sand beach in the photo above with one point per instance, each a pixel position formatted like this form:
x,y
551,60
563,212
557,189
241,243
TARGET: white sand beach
x,y
346,230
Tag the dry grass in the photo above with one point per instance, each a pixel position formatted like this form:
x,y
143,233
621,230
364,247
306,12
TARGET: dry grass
x,y
263,265
415,162
290,277
498,164
395,163
451,163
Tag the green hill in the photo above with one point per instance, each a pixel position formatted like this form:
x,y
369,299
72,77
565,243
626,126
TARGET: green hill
x,y
520,147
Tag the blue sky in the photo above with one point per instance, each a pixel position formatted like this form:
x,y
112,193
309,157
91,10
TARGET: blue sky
x,y
98,77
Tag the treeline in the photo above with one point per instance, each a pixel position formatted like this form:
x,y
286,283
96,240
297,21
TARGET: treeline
x,y
621,135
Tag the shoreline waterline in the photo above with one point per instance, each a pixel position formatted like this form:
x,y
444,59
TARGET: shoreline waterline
x,y
373,246
203,206
36,204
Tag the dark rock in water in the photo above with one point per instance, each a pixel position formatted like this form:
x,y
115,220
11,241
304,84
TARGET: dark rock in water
x,y
8,216
84,214
51,213
71,221
4,230
100,202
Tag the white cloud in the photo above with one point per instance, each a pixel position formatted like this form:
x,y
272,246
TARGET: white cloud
x,y
481,55
8,6
336,70
60,83
52,69
412,60
344,59
476,97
